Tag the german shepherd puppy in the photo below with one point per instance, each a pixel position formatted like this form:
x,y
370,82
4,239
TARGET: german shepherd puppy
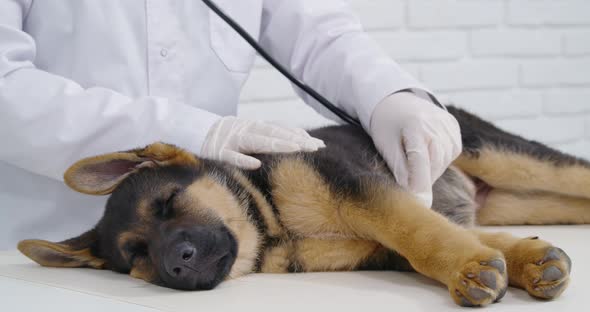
x,y
176,220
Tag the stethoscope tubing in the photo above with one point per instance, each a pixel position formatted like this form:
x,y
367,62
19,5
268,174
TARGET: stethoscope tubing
x,y
284,71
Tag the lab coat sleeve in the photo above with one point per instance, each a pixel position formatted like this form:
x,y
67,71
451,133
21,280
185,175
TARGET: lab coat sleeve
x,y
324,44
48,122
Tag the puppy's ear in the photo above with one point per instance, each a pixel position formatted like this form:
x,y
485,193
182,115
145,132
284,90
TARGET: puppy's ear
x,y
73,253
100,175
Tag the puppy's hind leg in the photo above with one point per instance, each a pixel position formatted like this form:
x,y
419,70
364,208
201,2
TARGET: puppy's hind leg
x,y
503,207
509,170
506,161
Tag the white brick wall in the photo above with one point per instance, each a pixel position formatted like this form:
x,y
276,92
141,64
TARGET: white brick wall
x,y
524,64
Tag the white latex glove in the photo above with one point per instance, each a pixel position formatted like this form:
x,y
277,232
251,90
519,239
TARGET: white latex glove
x,y
417,139
231,138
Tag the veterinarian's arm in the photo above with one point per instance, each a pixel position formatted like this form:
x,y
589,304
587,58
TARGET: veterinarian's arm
x,y
324,43
47,122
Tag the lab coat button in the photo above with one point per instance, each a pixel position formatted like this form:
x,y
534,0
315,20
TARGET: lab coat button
x,y
164,52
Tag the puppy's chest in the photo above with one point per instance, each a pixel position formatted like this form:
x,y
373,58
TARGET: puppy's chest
x,y
293,199
305,203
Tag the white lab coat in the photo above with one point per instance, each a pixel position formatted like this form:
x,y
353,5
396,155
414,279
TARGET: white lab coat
x,y
84,77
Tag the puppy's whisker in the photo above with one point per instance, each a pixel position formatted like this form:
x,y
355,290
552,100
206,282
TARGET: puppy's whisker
x,y
194,270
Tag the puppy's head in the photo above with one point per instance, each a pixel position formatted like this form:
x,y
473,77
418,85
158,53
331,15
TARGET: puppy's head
x,y
171,219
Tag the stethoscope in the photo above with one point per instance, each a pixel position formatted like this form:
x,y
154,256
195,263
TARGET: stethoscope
x,y
318,97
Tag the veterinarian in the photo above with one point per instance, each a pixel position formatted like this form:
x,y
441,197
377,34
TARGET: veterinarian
x,y
80,78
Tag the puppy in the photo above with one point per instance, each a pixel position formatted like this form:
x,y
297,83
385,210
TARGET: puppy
x,y
176,220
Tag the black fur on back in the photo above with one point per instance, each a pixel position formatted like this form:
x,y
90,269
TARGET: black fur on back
x,y
349,157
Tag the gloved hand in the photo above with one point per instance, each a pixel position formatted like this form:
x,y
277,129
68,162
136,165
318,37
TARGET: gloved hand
x,y
417,139
231,137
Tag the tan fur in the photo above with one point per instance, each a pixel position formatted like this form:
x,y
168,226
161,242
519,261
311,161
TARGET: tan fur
x,y
143,269
277,259
526,262
58,255
316,255
434,246
307,206
510,208
208,197
209,193
507,170
166,154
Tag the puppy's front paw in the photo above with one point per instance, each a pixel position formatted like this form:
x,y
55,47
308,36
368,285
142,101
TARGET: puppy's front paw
x,y
547,276
480,282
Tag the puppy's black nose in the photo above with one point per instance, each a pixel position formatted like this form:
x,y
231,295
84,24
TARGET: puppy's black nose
x,y
197,257
179,262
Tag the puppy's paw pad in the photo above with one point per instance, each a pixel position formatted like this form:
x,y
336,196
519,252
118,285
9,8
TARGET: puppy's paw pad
x,y
548,276
480,283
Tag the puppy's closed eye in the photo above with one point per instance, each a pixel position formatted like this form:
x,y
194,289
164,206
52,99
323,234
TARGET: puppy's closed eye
x,y
164,209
